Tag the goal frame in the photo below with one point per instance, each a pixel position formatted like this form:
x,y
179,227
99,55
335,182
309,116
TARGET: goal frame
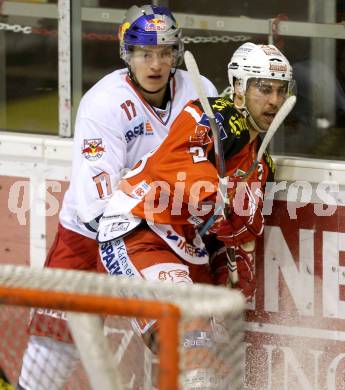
x,y
168,316
101,294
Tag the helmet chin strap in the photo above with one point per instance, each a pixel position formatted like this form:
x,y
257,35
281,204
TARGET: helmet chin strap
x,y
255,125
243,108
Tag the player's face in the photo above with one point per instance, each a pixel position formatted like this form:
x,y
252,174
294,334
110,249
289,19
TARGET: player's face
x,y
264,97
151,65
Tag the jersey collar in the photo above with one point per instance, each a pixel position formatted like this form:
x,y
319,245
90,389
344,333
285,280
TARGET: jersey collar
x,y
155,111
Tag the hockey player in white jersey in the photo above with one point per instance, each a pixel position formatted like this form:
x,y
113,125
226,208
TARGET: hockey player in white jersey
x,y
125,115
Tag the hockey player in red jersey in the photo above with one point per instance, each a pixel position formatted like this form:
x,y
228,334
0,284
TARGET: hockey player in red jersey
x,y
123,116
150,228
174,188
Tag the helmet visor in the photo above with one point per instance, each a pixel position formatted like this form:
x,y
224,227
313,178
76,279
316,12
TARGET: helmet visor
x,y
146,55
265,87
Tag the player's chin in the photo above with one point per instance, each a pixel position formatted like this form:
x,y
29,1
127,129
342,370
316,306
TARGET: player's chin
x,y
266,122
264,125
154,86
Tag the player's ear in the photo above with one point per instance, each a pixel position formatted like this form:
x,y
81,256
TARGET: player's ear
x,y
238,95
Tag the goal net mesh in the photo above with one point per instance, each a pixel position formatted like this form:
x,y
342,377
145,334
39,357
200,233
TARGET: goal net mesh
x,y
102,314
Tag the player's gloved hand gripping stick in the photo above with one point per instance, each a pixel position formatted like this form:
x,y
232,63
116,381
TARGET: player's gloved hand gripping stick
x,y
285,109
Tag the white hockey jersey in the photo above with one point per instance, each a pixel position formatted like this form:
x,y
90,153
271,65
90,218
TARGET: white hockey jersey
x,y
114,128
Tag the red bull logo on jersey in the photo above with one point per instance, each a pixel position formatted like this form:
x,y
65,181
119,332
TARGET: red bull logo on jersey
x,y
155,25
93,149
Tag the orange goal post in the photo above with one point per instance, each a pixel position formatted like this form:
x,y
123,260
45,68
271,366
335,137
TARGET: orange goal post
x,y
111,355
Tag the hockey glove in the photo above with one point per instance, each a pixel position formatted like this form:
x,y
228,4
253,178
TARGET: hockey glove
x,y
245,221
245,260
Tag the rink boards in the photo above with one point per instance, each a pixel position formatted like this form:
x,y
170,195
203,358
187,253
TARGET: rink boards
x,y
295,328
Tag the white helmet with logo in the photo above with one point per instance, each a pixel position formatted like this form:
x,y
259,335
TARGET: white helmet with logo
x,y
257,61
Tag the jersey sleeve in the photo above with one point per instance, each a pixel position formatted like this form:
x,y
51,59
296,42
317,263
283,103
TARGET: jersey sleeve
x,y
99,159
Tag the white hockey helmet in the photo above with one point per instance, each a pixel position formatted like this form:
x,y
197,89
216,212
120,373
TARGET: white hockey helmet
x,y
258,61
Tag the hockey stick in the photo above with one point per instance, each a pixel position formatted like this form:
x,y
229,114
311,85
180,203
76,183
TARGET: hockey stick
x,y
194,73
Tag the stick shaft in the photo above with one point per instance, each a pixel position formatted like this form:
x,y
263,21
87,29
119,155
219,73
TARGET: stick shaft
x,y
193,70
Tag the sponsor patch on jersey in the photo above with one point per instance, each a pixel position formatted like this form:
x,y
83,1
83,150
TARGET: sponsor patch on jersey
x,y
119,227
184,246
116,260
155,25
237,124
134,132
172,236
221,104
140,190
148,128
194,252
93,149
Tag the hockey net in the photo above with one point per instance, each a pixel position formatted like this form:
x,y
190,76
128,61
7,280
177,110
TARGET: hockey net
x,y
110,354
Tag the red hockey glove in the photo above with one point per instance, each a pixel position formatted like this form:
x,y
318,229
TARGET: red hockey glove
x,y
245,260
245,221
